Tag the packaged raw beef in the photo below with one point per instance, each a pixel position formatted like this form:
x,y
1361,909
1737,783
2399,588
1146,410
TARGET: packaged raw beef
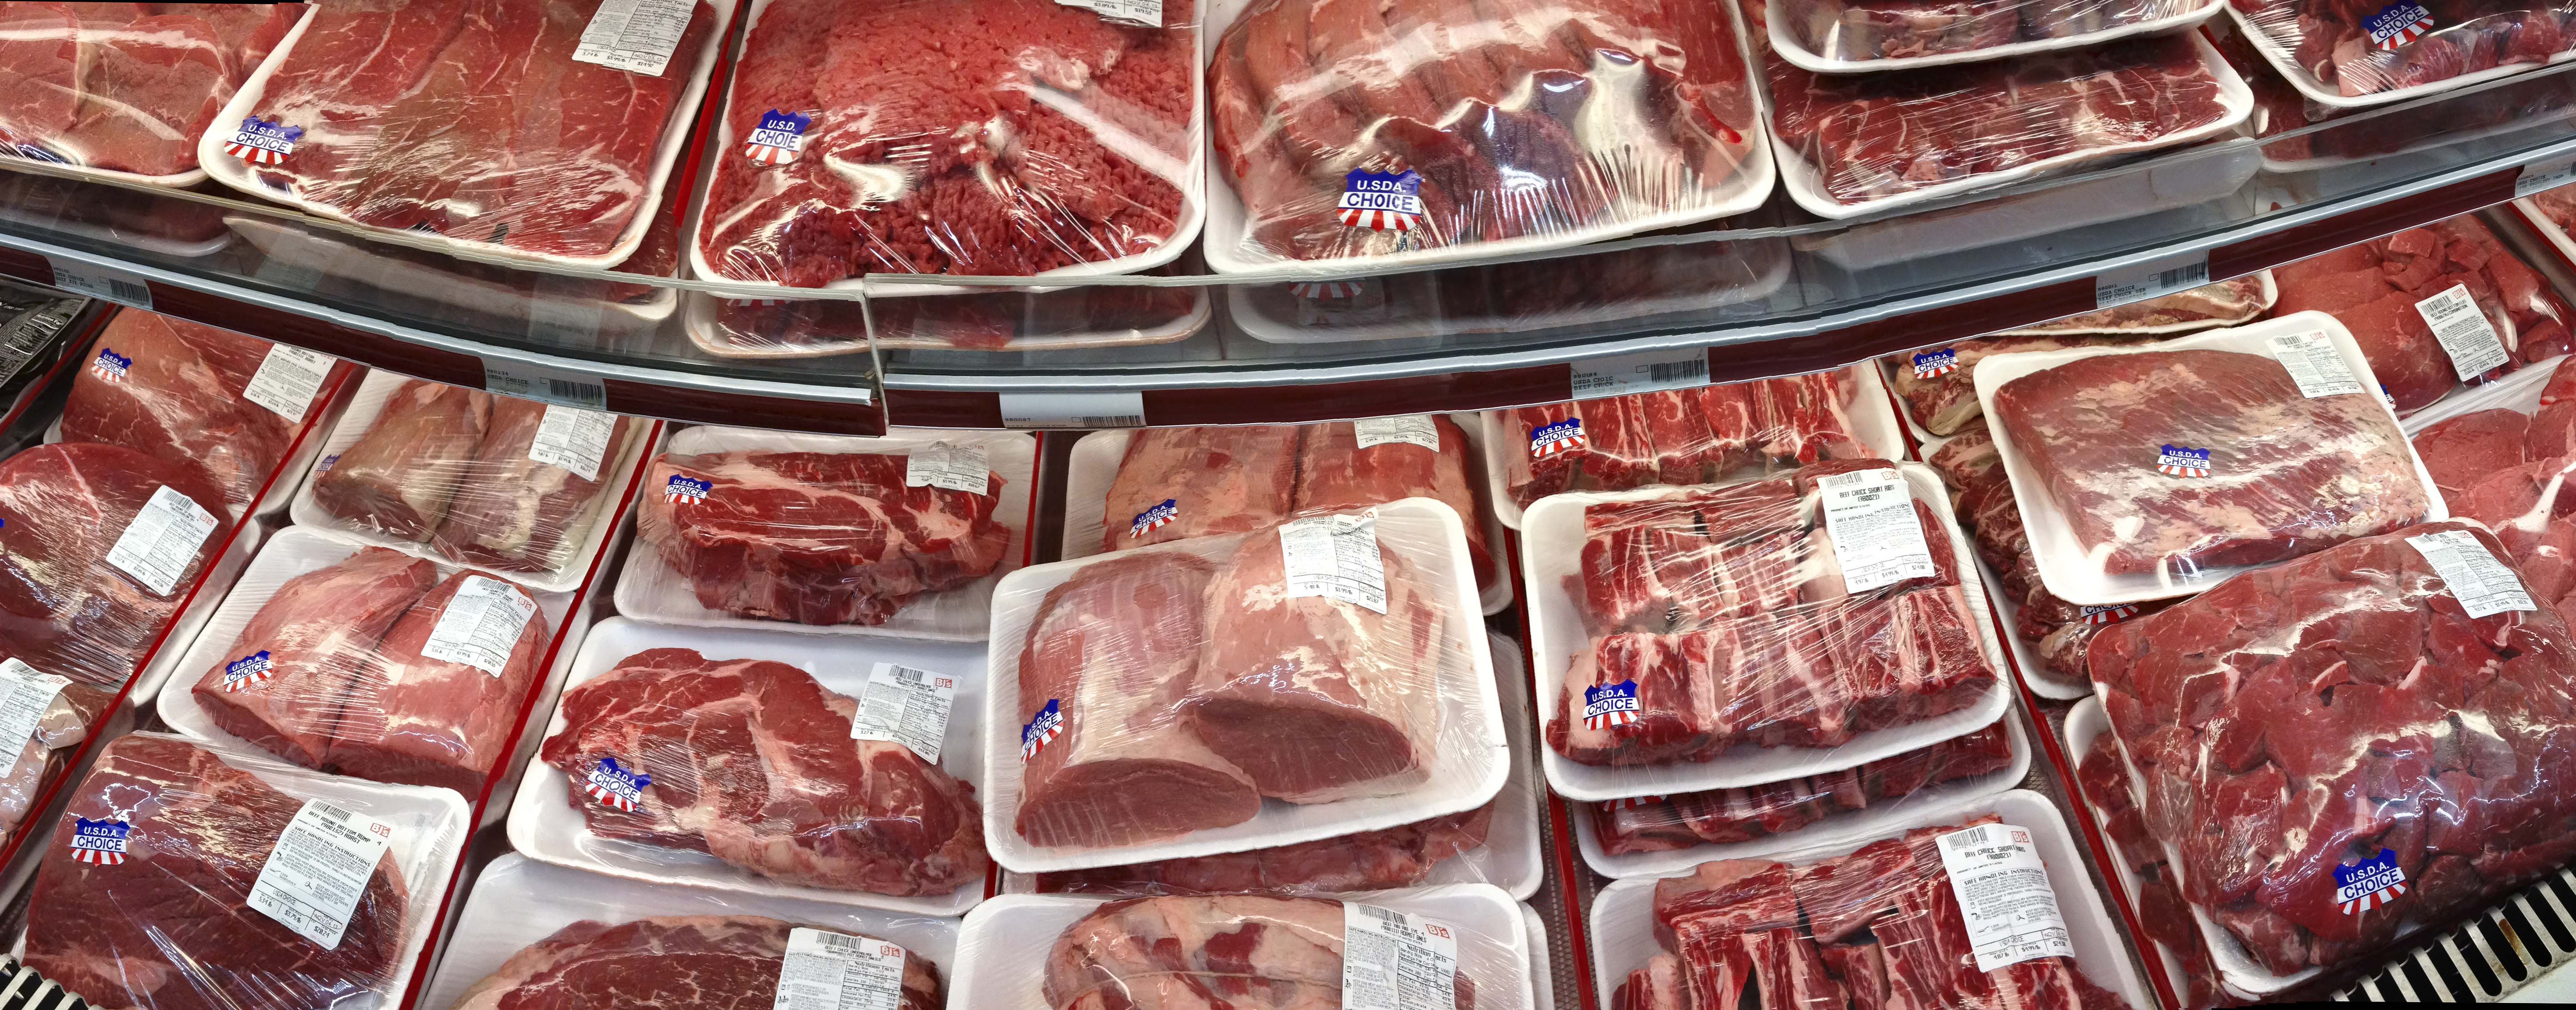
x,y
222,405
1355,129
1883,926
1938,385
2511,471
529,498
2156,899
1693,436
2359,739
478,120
715,962
1393,858
1729,816
284,680
1176,483
2354,49
126,87
1867,137
2226,303
99,545
2281,108
51,718
1799,611
400,478
2389,291
671,749
1856,30
1344,465
178,879
1151,951
978,137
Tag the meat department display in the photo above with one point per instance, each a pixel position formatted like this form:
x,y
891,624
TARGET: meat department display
x,y
2351,49
983,137
1160,952
223,406
2383,291
67,605
1683,437
703,962
2508,470
1394,858
126,87
1352,129
1860,30
1729,816
2157,899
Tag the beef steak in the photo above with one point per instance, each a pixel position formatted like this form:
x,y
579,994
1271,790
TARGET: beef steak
x,y
696,962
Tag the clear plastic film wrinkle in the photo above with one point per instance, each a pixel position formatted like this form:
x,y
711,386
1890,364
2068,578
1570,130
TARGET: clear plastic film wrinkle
x,y
128,88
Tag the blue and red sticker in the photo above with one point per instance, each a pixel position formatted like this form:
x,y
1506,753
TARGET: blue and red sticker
x,y
1607,705
1382,201
248,670
1041,730
110,365
779,138
616,786
2182,461
684,488
1155,518
2112,614
100,842
264,141
1562,436
2398,24
1934,363
1633,801
2371,883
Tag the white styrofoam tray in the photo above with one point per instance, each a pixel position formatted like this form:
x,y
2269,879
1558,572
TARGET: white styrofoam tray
x,y
191,620
1794,49
518,901
1470,756
2084,723
2332,96
1806,184
2062,561
294,551
1000,964
1622,920
544,824
176,180
2518,392
1093,466
2540,221
676,133
290,245
361,415
649,589
2168,184
1552,555
1873,418
1770,258
1870,822
708,334
1228,224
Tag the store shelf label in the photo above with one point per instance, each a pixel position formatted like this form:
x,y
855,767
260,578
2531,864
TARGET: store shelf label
x,y
1646,372
546,385
1105,409
2542,175
2151,280
2464,332
105,283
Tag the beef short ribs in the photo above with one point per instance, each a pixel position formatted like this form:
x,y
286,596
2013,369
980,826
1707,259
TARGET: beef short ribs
x,y
400,477
283,683
1397,857
1689,437
64,608
2289,474
515,513
704,962
752,762
1218,480
1171,951
1729,816
179,400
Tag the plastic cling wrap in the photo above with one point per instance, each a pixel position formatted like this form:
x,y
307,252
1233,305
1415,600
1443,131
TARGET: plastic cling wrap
x,y
921,137
2508,468
126,87
1938,385
2380,290
1682,437
1369,861
2162,916
196,397
1856,30
1350,128
1154,952
1726,816
2360,738
72,603
2362,47
720,962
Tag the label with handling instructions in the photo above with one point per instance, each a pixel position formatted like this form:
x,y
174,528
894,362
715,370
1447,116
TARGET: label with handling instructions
x,y
156,547
2482,584
1335,557
906,706
2315,364
1410,429
1397,961
1143,12
2003,892
314,877
574,439
2464,331
837,971
965,467
1869,514
635,35
481,625
287,380
25,696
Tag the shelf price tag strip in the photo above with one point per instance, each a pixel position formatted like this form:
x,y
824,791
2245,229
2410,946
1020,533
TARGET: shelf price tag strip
x,y
546,385
103,283
2150,280
1106,409
1644,372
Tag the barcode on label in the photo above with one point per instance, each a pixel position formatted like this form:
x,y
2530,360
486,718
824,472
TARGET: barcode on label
x,y
1644,372
1107,409
1110,421
1964,840
906,673
1677,371
128,291
570,390
2110,290
838,941
535,382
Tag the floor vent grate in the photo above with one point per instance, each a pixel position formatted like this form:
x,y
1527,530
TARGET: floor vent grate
x,y
2488,958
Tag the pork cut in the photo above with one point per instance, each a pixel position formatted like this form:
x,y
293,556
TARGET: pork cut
x,y
285,680
1686,437
752,762
1397,857
1218,480
399,478
418,715
1336,472
170,926
1169,953
1729,816
816,537
64,607
700,962
172,390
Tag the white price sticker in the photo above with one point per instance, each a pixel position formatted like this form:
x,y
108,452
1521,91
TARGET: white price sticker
x,y
635,35
22,337
2544,175
837,971
1335,557
1143,12
546,385
1396,961
1106,409
319,869
105,283
1869,516
164,536
2003,890
906,706
481,625
2315,364
287,380
2153,280
574,439
1628,374
2483,585
1411,429
25,697
958,467
2464,331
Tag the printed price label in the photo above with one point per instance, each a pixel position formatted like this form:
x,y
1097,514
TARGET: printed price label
x,y
1396,961
1412,429
29,333
906,706
2482,584
319,869
2314,364
546,385
2154,280
100,282
2544,175
287,380
1143,12
965,467
1335,557
1648,372
1869,515
25,697
156,547
1107,409
481,625
837,971
574,439
2464,331
2003,888
635,35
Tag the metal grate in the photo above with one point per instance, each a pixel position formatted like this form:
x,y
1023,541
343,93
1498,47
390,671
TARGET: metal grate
x,y
2484,960
22,989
